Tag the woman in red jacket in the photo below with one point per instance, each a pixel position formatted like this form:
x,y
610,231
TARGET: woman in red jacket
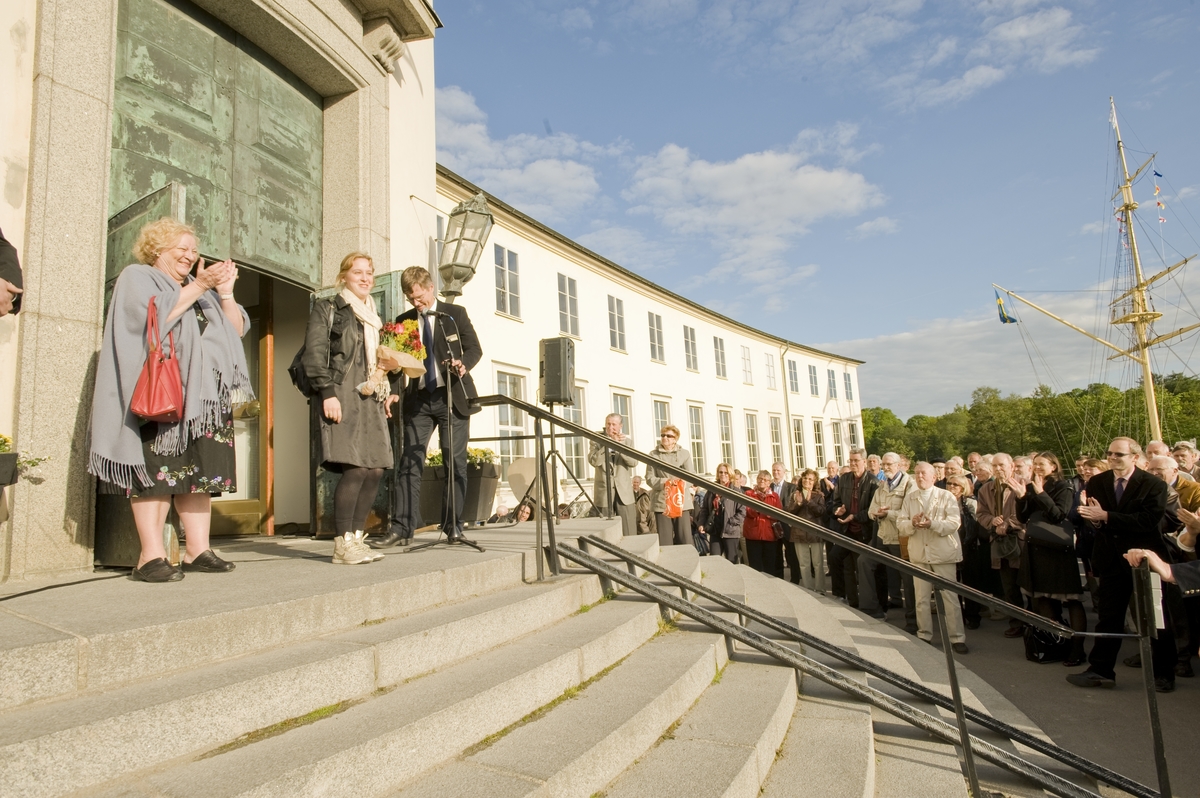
x,y
762,547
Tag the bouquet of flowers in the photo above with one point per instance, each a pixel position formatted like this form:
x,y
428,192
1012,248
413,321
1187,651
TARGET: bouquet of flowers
x,y
400,349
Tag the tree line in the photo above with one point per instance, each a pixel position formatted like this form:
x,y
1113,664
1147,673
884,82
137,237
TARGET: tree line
x,y
1078,422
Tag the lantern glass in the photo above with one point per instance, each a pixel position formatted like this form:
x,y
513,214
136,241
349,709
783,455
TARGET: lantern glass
x,y
469,225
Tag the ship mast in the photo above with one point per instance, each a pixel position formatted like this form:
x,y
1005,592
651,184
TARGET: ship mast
x,y
1139,315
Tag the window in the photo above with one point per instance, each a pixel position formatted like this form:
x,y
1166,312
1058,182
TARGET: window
x,y
662,415
657,350
568,306
849,387
510,421
719,355
776,439
832,385
508,283
836,426
793,377
752,441
770,371
696,433
572,447
620,406
616,323
690,352
798,441
852,427
812,381
725,421
819,442
747,366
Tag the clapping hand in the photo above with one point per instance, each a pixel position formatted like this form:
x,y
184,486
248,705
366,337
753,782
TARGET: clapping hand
x,y
1018,487
8,295
1093,512
220,276
1039,482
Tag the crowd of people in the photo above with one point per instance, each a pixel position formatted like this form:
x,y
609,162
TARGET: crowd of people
x,y
1016,527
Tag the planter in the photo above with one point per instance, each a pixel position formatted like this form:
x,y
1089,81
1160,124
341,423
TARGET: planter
x,y
8,468
482,481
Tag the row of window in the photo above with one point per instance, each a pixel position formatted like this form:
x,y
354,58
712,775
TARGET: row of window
x,y
511,423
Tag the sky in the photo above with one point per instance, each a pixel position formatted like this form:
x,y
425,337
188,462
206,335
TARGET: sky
x,y
850,174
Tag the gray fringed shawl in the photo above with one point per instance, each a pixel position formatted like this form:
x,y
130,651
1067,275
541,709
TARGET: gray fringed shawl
x,y
213,366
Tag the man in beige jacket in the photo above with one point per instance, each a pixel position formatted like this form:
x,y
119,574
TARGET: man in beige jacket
x,y
885,509
929,518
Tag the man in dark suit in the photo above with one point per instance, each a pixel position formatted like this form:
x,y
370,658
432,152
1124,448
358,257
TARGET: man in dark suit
x,y
10,278
452,349
1125,505
852,517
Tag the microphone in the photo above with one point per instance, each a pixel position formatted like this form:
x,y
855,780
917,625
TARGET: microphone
x,y
434,313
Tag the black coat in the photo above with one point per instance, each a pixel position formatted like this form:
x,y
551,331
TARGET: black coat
x,y
867,485
10,269
329,351
454,336
1132,523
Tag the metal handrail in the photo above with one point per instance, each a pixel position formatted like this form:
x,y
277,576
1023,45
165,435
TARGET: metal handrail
x,y
733,494
917,689
876,698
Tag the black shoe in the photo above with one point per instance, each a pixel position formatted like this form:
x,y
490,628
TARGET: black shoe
x,y
157,571
1090,679
912,630
1184,669
971,623
387,541
209,563
1014,631
878,615
1164,685
959,648
1134,661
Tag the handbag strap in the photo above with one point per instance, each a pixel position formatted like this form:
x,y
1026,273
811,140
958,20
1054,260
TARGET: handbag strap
x,y
153,338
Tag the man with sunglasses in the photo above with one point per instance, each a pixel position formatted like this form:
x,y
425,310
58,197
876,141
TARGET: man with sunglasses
x,y
1125,505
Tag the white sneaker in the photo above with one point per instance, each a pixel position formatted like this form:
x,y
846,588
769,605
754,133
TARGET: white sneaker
x,y
360,540
345,552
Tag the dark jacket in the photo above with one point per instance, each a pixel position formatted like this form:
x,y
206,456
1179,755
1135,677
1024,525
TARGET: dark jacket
x,y
845,498
1052,505
328,351
735,516
10,269
1132,522
463,343
811,510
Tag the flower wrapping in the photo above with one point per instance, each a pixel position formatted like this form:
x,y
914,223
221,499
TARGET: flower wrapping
x,y
400,349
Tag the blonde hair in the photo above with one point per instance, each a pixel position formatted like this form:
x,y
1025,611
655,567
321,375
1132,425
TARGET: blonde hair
x,y
158,235
669,428
348,264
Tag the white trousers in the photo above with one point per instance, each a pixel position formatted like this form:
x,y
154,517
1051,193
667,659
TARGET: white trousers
x,y
924,590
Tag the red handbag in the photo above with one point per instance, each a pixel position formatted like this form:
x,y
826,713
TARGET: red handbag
x,y
158,395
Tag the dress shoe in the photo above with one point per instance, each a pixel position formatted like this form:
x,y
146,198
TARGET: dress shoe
x,y
878,615
1164,685
959,648
1090,679
1014,631
387,541
209,563
910,629
1184,669
971,623
1134,661
1074,663
157,571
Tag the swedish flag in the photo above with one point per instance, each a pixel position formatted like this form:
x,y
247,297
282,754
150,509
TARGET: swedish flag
x,y
1004,317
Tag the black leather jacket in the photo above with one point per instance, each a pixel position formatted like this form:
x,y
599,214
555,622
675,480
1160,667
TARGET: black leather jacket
x,y
329,350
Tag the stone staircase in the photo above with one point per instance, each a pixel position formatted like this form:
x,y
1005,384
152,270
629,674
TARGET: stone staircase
x,y
449,673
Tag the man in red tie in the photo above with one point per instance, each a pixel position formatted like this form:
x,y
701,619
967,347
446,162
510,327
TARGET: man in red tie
x,y
1125,505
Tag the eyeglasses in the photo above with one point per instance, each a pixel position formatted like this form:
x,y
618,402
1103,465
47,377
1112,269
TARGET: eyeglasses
x,y
1117,454
669,435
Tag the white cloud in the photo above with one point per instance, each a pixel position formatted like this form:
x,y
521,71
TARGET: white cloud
x,y
929,93
1091,228
1044,40
884,225
628,247
549,177
574,19
750,208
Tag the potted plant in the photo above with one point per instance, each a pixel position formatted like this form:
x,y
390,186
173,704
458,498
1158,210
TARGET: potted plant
x,y
483,477
15,464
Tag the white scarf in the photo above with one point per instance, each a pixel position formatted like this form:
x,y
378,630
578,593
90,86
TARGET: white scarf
x,y
365,313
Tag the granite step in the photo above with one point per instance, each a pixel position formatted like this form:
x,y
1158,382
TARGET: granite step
x,y
72,743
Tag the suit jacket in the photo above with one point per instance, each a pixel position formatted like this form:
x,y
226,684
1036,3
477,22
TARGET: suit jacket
x,y
1187,576
785,493
622,471
465,347
1133,522
867,485
10,269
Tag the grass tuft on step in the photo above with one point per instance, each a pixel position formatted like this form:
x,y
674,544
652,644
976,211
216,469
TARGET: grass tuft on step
x,y
281,727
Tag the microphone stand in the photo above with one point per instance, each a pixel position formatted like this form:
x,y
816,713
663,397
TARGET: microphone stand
x,y
450,515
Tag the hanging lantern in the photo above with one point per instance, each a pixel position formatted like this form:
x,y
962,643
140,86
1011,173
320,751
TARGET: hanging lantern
x,y
466,234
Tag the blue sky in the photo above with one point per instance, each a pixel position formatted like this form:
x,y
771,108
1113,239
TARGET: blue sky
x,y
852,174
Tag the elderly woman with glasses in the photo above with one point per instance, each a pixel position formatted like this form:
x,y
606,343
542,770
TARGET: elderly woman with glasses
x,y
671,498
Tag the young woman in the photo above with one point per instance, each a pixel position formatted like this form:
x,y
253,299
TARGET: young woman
x,y
807,550
723,518
762,547
339,357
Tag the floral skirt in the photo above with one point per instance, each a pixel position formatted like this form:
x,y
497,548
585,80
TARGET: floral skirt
x,y
207,465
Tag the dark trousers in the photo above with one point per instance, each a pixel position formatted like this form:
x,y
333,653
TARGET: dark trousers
x,y
909,595
763,555
628,515
843,574
1116,588
674,531
424,412
872,582
977,573
1011,587
729,548
793,561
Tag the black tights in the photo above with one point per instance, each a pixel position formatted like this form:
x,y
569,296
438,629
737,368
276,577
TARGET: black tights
x,y
1052,609
353,498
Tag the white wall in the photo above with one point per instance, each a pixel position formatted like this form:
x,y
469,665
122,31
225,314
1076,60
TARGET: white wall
x,y
412,153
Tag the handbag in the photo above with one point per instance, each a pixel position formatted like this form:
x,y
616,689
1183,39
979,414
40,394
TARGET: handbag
x,y
1059,536
158,395
673,494
296,370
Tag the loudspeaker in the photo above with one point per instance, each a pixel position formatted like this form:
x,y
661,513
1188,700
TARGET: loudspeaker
x,y
556,371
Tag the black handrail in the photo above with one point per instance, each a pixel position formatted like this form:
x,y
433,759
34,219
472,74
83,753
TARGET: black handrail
x,y
733,494
917,689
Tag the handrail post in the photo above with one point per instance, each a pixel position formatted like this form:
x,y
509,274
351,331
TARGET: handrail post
x,y
539,540
956,694
549,508
1147,604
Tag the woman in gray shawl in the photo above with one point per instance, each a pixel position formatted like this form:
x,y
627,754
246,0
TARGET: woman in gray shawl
x,y
188,461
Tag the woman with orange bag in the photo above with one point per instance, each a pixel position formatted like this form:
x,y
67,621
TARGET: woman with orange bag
x,y
671,497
